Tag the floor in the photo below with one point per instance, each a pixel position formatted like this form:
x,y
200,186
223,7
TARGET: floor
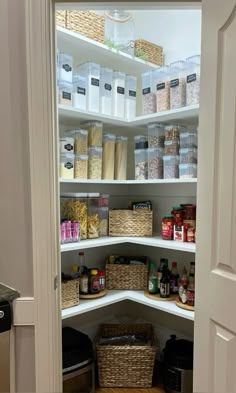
x,y
130,390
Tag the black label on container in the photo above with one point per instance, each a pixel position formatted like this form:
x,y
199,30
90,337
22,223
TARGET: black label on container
x,y
68,165
68,147
66,95
174,83
147,90
132,93
81,90
107,86
161,86
120,90
191,78
67,67
94,82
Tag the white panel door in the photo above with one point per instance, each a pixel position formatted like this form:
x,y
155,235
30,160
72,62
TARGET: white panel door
x,y
215,327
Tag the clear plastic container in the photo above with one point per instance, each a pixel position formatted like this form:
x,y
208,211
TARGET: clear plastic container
x,y
193,80
161,87
188,139
108,156
140,142
79,92
104,200
106,81
188,155
171,167
148,96
156,135
94,132
65,93
81,166
67,145
118,94
130,96
65,63
93,216
155,163
67,166
95,163
91,72
121,149
103,220
172,147
119,30
74,206
141,164
172,132
187,171
81,140
178,84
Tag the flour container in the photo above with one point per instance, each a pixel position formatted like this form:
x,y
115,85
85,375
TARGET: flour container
x,y
193,79
67,166
118,94
106,81
65,62
119,30
91,72
79,92
148,96
130,96
177,84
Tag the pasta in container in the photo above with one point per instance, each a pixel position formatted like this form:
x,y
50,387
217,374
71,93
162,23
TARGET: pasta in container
x,y
74,207
93,216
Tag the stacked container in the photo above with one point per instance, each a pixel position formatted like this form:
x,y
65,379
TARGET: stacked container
x,y
171,151
118,94
106,82
108,156
177,84
148,96
64,74
103,214
121,149
161,86
91,73
193,80
188,153
79,92
130,96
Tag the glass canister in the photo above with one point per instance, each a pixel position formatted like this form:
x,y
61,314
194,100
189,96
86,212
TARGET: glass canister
x,y
80,140
108,156
118,94
65,62
171,167
95,163
65,93
148,96
161,87
91,72
94,132
106,81
141,164
93,216
67,166
74,207
79,92
81,166
193,79
119,30
156,135
130,96
155,163
121,148
177,84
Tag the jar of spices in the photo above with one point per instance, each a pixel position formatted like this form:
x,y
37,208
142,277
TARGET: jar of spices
x,y
94,285
177,212
167,227
102,279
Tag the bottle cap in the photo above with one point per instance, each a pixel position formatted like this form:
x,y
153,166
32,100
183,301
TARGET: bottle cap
x,y
74,268
81,253
152,264
101,272
93,272
174,264
168,215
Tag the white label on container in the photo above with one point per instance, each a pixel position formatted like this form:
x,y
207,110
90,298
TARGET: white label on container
x,y
161,86
81,90
67,67
94,82
132,93
66,95
120,90
68,165
147,90
174,83
107,86
191,78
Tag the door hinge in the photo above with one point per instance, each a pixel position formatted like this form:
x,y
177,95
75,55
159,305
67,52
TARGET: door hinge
x,y
55,282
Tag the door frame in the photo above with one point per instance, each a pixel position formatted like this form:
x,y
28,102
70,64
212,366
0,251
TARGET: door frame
x,y
42,115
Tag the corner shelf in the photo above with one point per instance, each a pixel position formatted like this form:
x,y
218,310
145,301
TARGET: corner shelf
x,y
133,182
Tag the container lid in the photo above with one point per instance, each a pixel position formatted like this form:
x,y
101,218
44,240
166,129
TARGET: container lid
x,y
77,131
155,125
65,84
92,123
81,156
170,141
152,264
121,138
138,137
170,157
168,215
101,272
139,151
185,134
69,156
187,166
93,194
186,150
93,272
178,64
171,126
174,264
95,148
74,195
109,136
155,150
177,207
104,208
194,59
67,139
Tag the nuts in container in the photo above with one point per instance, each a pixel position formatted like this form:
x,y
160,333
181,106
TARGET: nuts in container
x,y
141,165
156,135
171,167
161,86
172,147
178,84
188,155
155,163
171,132
148,96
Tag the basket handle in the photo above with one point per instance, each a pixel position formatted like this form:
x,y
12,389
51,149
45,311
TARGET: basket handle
x,y
122,20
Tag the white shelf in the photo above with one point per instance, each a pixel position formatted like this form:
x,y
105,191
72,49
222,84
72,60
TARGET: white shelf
x,y
137,182
155,241
89,50
70,115
121,295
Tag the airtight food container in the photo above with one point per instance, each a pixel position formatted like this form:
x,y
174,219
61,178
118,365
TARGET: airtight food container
x,y
67,166
66,145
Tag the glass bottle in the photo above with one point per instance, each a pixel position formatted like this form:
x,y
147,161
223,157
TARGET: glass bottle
x,y
152,278
191,290
94,284
83,282
183,285
165,283
174,279
159,273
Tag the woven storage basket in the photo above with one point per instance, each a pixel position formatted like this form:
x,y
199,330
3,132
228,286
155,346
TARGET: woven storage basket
x,y
86,23
152,52
127,276
69,293
130,223
125,366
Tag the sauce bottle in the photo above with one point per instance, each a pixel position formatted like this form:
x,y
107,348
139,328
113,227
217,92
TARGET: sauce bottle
x,y
83,282
174,279
152,278
165,283
183,286
94,285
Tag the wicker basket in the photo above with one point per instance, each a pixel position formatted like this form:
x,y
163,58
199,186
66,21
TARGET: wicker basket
x,y
130,223
126,366
152,52
69,293
86,23
127,276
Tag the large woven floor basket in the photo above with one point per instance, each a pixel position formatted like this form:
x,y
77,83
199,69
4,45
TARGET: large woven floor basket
x,y
126,276
69,293
126,366
130,223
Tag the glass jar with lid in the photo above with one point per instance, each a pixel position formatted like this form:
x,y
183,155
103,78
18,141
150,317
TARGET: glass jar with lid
x,y
119,30
93,216
177,84
193,80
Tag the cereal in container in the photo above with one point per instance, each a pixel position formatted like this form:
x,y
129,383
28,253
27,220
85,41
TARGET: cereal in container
x,y
141,164
155,163
95,163
81,166
156,135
